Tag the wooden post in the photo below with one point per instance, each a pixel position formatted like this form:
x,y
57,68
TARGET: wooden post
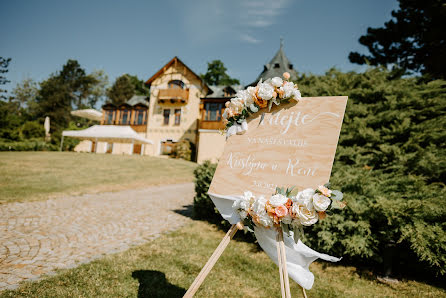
x,y
212,260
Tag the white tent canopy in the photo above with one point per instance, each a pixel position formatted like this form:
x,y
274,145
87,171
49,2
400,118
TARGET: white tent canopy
x,y
91,114
107,133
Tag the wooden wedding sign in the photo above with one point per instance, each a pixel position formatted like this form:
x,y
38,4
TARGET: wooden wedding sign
x,y
292,145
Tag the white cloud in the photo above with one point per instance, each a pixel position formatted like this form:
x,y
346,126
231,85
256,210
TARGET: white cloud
x,y
211,20
248,38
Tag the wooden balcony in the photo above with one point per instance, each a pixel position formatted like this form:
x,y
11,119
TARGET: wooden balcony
x,y
173,95
218,125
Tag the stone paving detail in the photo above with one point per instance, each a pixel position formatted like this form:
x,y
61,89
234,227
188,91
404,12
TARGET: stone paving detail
x,y
38,237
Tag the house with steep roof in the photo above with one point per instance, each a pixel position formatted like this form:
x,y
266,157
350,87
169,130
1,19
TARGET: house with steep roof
x,y
180,106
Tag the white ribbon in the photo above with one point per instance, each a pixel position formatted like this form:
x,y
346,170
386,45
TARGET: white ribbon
x,y
298,256
236,128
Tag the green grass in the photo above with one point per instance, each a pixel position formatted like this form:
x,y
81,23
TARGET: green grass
x,y
26,176
166,266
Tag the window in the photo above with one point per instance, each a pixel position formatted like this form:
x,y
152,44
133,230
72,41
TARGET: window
x,y
276,65
109,117
291,66
176,84
213,111
125,118
139,117
177,116
166,114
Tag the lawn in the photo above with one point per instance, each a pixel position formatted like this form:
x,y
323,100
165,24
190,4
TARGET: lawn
x,y
26,176
166,266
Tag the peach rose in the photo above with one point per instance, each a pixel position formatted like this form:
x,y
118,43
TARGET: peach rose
x,y
286,75
281,211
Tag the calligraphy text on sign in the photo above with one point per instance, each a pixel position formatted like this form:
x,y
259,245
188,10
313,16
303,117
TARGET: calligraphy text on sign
x,y
293,145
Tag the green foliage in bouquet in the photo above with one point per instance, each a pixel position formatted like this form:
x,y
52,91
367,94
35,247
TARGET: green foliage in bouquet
x,y
390,164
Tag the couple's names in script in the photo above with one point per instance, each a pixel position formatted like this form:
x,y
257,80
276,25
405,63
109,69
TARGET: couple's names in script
x,y
248,165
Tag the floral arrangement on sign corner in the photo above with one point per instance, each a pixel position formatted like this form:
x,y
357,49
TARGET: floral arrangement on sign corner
x,y
289,212
249,101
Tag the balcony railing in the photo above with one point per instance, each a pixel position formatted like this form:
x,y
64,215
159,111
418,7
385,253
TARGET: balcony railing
x,y
173,95
215,125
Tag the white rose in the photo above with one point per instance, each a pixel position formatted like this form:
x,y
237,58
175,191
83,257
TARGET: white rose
x,y
288,89
236,105
251,91
245,96
246,200
305,198
306,217
276,82
259,205
296,94
321,202
277,200
265,220
265,91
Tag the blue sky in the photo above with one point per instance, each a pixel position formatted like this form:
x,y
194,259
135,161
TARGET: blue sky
x,y
139,37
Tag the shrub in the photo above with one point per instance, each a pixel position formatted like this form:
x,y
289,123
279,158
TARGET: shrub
x,y
183,150
27,145
391,165
32,129
203,206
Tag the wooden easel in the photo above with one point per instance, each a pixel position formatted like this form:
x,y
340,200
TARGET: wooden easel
x,y
283,272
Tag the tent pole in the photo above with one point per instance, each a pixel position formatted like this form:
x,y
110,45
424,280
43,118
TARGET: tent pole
x,y
96,147
61,144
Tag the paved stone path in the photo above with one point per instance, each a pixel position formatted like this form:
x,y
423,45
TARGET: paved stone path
x,y
38,237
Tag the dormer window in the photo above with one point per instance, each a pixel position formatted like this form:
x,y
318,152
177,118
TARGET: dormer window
x,y
276,65
176,84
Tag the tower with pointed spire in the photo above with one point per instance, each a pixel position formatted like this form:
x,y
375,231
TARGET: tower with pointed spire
x,y
277,66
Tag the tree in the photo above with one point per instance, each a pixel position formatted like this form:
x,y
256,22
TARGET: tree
x,y
61,92
121,91
140,87
216,74
99,90
4,63
414,40
25,93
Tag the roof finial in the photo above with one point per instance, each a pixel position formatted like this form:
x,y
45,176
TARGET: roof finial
x,y
281,42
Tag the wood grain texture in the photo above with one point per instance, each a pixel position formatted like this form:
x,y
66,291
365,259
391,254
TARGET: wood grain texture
x,y
294,145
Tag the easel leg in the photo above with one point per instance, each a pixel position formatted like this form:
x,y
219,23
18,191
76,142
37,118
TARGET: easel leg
x,y
212,260
279,259
284,280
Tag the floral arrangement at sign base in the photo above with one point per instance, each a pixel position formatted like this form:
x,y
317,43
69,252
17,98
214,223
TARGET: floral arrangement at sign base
x,y
291,213
251,100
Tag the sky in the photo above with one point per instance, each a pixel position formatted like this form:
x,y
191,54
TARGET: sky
x,y
139,37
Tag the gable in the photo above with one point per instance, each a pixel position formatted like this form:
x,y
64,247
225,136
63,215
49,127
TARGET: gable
x,y
175,62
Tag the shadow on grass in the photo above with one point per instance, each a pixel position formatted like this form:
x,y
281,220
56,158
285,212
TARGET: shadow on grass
x,y
221,224
154,284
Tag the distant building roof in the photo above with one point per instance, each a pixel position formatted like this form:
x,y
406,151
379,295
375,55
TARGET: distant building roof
x,y
276,67
138,99
223,91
